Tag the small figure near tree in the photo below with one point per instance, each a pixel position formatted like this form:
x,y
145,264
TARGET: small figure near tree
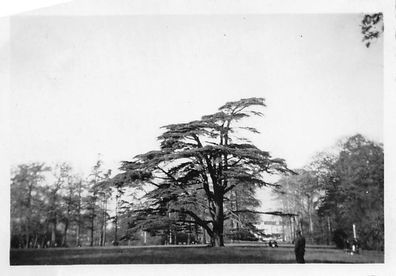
x,y
299,247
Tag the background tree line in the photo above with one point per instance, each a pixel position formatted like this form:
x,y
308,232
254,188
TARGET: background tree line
x,y
53,206
338,189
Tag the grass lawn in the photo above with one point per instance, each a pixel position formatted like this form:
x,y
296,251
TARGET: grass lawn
x,y
186,255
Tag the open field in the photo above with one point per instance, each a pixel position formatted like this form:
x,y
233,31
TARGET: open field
x,y
249,253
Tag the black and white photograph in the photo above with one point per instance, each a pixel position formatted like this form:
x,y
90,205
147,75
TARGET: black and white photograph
x,y
171,135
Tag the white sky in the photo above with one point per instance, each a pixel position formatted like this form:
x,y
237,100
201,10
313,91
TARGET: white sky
x,y
83,85
105,84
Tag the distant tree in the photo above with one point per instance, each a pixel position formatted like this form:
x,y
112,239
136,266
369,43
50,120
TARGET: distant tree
x,y
322,166
119,192
126,205
208,156
79,208
354,191
71,204
104,193
99,192
62,174
300,194
92,207
241,198
26,202
43,213
372,27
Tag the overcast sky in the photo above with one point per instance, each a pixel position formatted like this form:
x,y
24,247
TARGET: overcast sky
x,y
83,85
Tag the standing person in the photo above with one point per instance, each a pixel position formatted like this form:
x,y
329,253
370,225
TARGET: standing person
x,y
299,247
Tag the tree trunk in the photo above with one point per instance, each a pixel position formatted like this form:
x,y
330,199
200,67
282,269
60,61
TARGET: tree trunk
x,y
116,223
104,235
78,242
328,230
293,231
105,223
237,209
27,233
65,233
323,230
35,241
101,235
78,234
42,243
217,239
92,231
189,233
301,226
311,226
53,234
196,232
218,224
28,215
116,232
102,226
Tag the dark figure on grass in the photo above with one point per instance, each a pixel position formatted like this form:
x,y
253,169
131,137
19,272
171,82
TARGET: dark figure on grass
x,y
299,247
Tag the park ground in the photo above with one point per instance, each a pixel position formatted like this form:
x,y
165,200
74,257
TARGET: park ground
x,y
232,253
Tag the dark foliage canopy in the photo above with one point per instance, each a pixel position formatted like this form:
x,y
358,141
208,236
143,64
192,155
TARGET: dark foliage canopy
x,y
198,164
372,27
